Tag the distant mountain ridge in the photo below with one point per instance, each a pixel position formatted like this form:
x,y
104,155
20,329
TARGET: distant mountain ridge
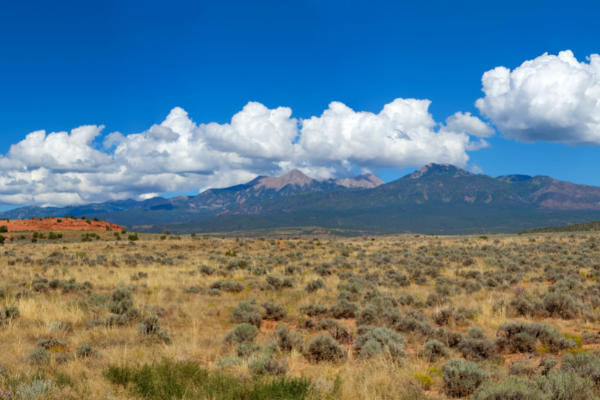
x,y
585,227
436,198
260,188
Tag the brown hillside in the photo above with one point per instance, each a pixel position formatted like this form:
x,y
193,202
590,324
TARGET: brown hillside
x,y
52,224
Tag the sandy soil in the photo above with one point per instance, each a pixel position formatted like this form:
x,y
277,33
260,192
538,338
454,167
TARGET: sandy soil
x,y
52,224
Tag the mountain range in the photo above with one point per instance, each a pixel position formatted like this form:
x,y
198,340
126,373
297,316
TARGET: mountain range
x,y
435,199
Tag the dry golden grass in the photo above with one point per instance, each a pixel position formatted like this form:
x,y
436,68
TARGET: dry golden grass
x,y
197,323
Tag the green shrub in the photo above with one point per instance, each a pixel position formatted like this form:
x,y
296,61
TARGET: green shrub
x,y
584,364
325,348
279,282
315,285
434,350
476,346
472,287
268,363
273,311
242,333
314,309
85,351
412,323
9,313
524,368
39,355
228,286
563,306
3,229
246,312
151,328
211,292
206,270
344,309
170,380
443,316
462,378
121,301
286,340
380,340
552,387
245,350
513,388
35,389
565,386
520,336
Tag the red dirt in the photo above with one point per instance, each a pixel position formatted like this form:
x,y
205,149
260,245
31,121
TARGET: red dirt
x,y
52,224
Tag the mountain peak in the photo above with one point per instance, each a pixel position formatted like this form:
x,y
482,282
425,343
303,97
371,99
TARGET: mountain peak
x,y
294,177
438,170
366,181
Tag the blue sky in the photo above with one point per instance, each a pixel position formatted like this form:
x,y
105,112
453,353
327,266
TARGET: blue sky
x,y
127,64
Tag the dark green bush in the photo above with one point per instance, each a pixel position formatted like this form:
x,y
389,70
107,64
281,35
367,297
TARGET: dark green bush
x,y
205,269
315,285
279,282
273,311
314,309
9,312
228,286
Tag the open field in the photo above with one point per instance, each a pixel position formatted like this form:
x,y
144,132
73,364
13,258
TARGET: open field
x,y
397,317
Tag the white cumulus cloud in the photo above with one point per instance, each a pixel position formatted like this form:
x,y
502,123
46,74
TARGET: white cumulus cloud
x,y
180,155
401,135
551,98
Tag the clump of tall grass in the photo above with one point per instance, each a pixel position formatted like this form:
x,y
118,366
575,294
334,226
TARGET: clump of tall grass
x,y
170,380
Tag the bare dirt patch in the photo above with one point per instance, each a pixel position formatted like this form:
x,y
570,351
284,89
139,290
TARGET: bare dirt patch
x,y
53,224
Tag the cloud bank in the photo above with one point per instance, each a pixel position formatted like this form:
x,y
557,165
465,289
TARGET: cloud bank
x,y
550,98
180,156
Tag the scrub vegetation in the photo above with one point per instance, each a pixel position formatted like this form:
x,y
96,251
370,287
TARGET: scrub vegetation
x,y
130,315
